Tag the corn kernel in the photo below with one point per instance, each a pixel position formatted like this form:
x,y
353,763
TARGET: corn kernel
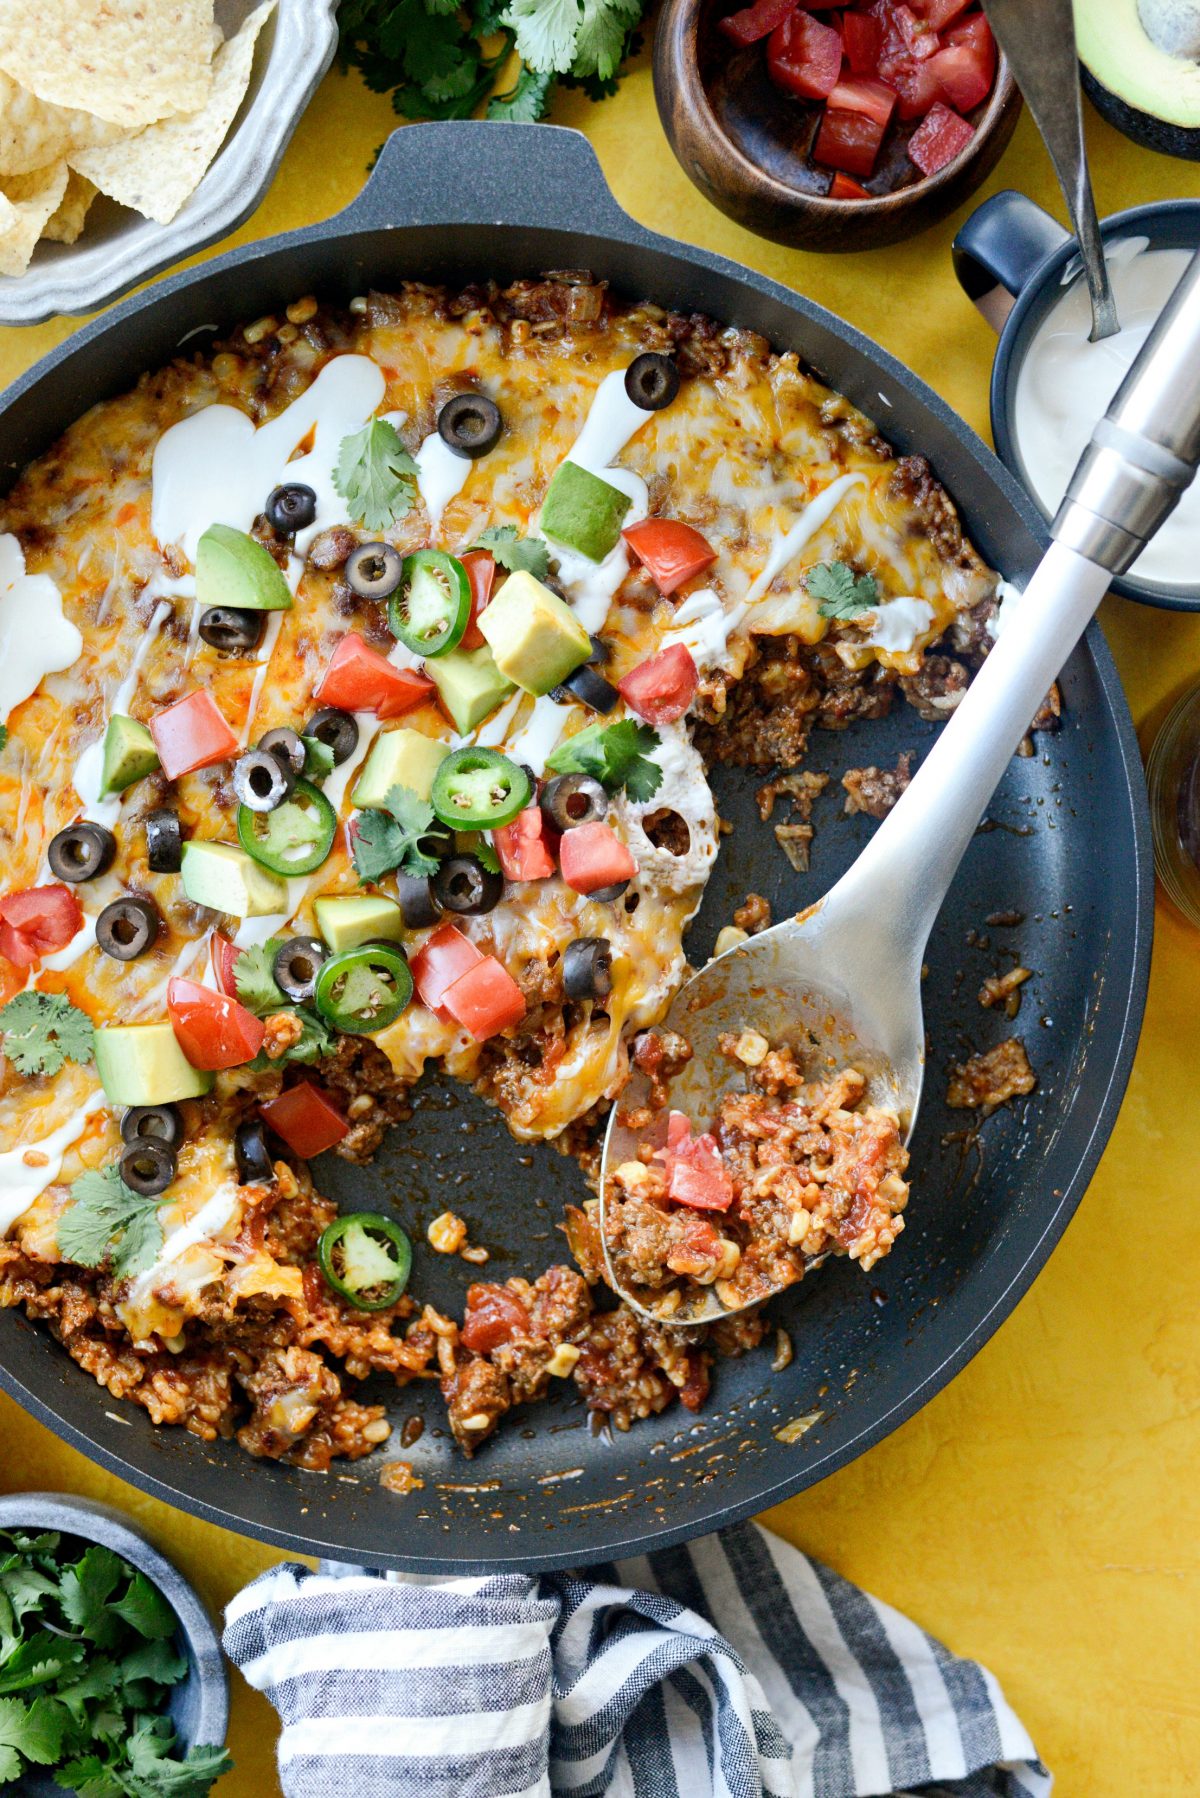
x,y
447,1233
729,937
562,1360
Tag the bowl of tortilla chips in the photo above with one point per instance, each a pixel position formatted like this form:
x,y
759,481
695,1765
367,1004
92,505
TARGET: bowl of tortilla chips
x,y
133,132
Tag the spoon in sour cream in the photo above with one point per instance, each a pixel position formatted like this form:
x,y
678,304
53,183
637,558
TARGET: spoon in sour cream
x,y
842,981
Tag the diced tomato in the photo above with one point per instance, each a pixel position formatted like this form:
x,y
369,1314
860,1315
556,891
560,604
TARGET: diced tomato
x,y
192,733
670,551
592,857
525,848
937,140
359,679
753,22
444,955
225,957
696,1174
974,31
306,1118
845,187
661,688
212,1029
874,99
37,921
916,86
485,1000
938,13
862,36
961,77
805,57
481,567
493,1317
849,141
917,35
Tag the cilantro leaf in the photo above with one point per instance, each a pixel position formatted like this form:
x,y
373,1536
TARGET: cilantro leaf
x,y
144,1609
43,1030
525,102
616,754
86,1589
106,1222
511,551
486,856
383,840
254,978
546,31
88,1777
158,1662
376,476
3,736
34,1730
603,30
839,592
318,758
163,1777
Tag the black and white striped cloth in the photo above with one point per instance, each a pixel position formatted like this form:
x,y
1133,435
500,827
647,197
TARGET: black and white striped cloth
x,y
734,1667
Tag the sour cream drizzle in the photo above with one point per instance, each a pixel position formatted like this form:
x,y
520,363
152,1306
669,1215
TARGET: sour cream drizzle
x,y
441,476
898,624
35,638
21,1184
213,1216
540,734
817,512
89,768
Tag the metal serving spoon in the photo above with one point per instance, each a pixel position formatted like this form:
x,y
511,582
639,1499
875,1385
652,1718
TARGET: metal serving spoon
x,y
842,981
1038,38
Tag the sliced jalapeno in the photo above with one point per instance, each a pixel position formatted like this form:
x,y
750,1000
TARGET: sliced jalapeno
x,y
364,989
430,609
478,789
293,839
366,1260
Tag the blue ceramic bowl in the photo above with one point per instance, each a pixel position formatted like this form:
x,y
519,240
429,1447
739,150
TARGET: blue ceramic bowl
x,y
1010,258
199,1706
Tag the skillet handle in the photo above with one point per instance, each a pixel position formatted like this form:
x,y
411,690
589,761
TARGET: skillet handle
x,y
488,172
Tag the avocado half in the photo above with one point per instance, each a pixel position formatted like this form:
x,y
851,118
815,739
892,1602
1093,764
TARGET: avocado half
x,y
1140,61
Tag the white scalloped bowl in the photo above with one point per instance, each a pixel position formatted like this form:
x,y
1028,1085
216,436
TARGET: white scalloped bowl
x,y
119,248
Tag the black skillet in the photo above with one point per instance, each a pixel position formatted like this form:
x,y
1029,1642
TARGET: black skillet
x,y
1066,845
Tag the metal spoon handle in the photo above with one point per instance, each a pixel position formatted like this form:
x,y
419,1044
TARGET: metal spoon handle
x,y
1142,457
1038,39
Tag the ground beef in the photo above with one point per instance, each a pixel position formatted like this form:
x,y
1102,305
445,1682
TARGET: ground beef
x,y
362,1082
332,547
874,791
936,688
991,1078
753,914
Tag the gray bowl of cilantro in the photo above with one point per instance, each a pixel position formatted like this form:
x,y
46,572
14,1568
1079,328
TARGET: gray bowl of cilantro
x,y
112,1683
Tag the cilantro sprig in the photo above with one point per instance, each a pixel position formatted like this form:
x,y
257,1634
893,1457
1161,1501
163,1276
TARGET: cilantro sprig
x,y
43,1030
376,476
383,840
87,1659
254,978
109,1225
514,552
839,592
616,754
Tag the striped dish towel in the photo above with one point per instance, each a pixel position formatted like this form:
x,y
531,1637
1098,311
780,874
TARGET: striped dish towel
x,y
734,1667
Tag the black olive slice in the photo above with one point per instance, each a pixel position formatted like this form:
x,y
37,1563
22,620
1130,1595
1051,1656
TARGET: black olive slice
x,y
250,1152
232,629
337,730
652,381
127,928
291,508
610,892
462,884
296,966
82,851
164,842
587,968
470,424
148,1166
374,569
285,745
571,799
417,900
163,1122
261,781
589,688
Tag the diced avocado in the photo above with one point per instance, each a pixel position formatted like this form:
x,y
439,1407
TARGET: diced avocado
x,y
583,512
129,755
399,758
227,879
535,637
142,1064
470,684
346,920
233,570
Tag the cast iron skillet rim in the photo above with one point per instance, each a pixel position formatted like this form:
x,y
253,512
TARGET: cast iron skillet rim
x,y
612,225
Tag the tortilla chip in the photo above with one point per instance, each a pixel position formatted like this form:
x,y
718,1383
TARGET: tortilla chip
x,y
156,170
26,203
127,61
65,225
33,134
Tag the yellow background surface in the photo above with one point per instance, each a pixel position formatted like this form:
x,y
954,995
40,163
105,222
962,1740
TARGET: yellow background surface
x,y
1042,1513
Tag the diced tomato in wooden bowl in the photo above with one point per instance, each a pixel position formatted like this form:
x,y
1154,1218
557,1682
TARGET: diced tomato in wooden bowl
x,y
797,117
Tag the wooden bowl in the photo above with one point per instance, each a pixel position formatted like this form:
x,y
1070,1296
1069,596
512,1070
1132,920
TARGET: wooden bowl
x,y
744,142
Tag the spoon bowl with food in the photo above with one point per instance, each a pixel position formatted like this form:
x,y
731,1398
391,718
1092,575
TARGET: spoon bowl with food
x,y
766,1122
